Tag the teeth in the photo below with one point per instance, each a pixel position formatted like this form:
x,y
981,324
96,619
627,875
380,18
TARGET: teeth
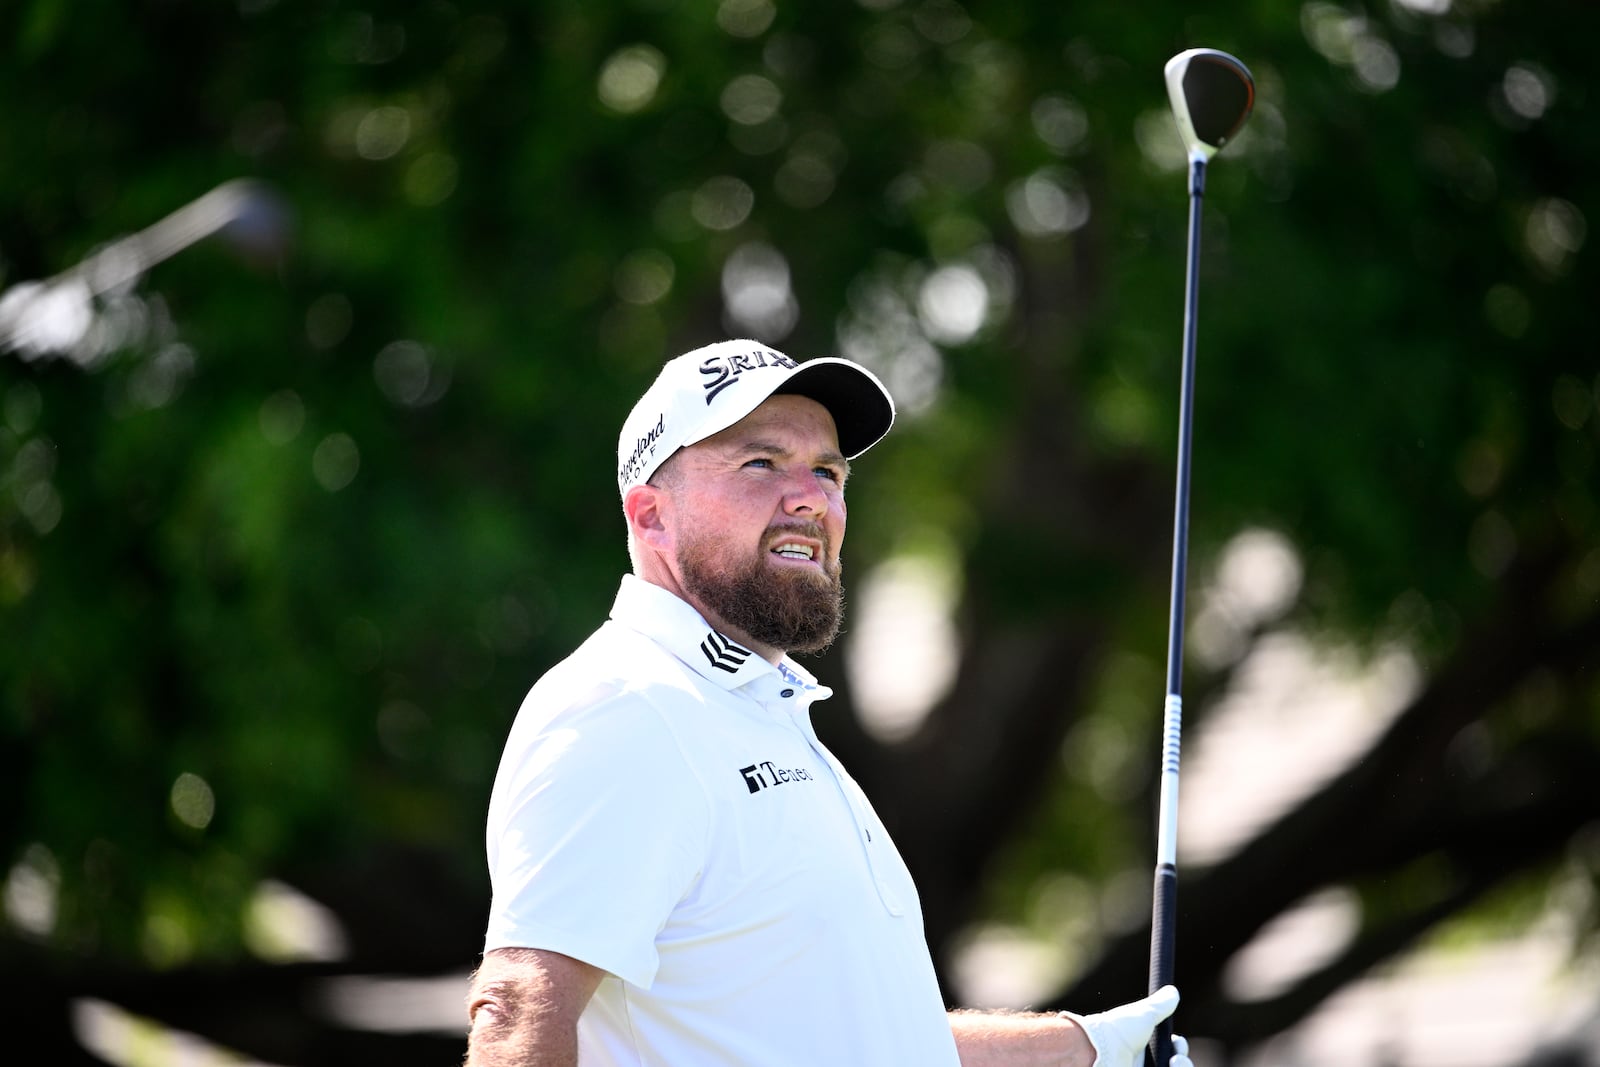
x,y
794,551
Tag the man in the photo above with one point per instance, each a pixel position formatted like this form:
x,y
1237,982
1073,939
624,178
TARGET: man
x,y
683,874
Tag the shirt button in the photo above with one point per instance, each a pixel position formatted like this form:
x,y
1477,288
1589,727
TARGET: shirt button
x,y
787,693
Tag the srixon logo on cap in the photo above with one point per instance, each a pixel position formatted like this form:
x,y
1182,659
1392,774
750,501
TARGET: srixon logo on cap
x,y
723,371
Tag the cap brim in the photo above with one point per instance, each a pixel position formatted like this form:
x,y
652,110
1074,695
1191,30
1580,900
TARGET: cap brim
x,y
862,409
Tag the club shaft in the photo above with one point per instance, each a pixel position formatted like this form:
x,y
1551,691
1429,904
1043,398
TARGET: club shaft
x,y
1164,898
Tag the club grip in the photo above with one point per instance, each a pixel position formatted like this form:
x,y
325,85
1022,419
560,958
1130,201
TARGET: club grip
x,y
1163,937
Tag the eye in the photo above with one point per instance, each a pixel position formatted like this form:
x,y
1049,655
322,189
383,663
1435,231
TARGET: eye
x,y
760,462
833,474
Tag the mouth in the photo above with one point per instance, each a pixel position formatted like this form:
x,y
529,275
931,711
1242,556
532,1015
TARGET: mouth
x,y
799,551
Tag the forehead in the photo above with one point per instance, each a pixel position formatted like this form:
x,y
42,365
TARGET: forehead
x,y
793,422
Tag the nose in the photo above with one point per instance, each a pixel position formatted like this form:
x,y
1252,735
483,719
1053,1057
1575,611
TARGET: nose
x,y
803,495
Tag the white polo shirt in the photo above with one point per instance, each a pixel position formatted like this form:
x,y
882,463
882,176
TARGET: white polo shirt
x,y
665,812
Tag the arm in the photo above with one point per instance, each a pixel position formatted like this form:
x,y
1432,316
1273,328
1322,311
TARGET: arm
x,y
1115,1038
1016,1039
524,1007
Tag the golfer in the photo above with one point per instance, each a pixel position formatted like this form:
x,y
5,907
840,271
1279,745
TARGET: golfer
x,y
683,875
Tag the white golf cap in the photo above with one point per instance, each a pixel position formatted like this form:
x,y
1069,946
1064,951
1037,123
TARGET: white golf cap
x,y
706,391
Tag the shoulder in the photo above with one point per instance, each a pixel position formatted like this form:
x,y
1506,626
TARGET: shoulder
x,y
609,710
617,671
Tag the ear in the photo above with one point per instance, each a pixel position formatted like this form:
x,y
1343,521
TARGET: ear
x,y
649,513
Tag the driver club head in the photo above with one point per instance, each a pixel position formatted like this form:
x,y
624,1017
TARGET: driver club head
x,y
1212,95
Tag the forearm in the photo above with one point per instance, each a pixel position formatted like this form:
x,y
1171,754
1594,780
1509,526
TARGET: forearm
x,y
1019,1039
509,1032
523,1009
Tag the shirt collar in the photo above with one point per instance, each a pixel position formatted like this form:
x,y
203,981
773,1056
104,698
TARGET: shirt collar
x,y
675,625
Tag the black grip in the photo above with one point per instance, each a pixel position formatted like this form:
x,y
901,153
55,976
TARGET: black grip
x,y
1163,938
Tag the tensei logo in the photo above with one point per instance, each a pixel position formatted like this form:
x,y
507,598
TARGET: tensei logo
x,y
764,775
723,371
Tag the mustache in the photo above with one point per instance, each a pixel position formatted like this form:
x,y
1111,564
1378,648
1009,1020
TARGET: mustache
x,y
810,530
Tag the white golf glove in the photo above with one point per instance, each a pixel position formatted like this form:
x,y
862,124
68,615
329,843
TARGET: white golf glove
x,y
1180,1053
1119,1036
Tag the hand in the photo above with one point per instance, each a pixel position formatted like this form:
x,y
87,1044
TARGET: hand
x,y
1180,1053
1119,1036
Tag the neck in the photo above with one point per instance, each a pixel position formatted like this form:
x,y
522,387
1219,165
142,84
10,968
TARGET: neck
x,y
665,579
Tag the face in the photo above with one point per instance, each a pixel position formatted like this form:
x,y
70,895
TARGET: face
x,y
759,521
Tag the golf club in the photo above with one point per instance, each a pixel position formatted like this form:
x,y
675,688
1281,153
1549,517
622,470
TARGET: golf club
x,y
1212,94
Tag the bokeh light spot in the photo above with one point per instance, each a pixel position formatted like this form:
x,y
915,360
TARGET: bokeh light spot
x,y
751,99
1059,123
722,203
1507,310
335,462
431,179
192,801
1529,90
328,320
382,133
281,417
745,18
630,78
757,293
645,276
1047,204
953,304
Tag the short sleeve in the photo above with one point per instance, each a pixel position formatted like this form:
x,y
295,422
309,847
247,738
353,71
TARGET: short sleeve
x,y
597,828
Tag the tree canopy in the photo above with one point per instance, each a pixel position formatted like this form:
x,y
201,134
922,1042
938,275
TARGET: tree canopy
x,y
291,518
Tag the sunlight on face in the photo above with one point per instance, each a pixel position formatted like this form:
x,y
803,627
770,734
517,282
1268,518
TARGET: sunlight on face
x,y
760,519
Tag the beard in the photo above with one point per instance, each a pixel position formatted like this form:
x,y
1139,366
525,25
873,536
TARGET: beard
x,y
789,609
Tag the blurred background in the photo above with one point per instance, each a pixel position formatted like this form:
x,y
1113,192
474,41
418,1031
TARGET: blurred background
x,y
317,323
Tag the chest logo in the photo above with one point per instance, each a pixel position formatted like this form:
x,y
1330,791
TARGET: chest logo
x,y
759,776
